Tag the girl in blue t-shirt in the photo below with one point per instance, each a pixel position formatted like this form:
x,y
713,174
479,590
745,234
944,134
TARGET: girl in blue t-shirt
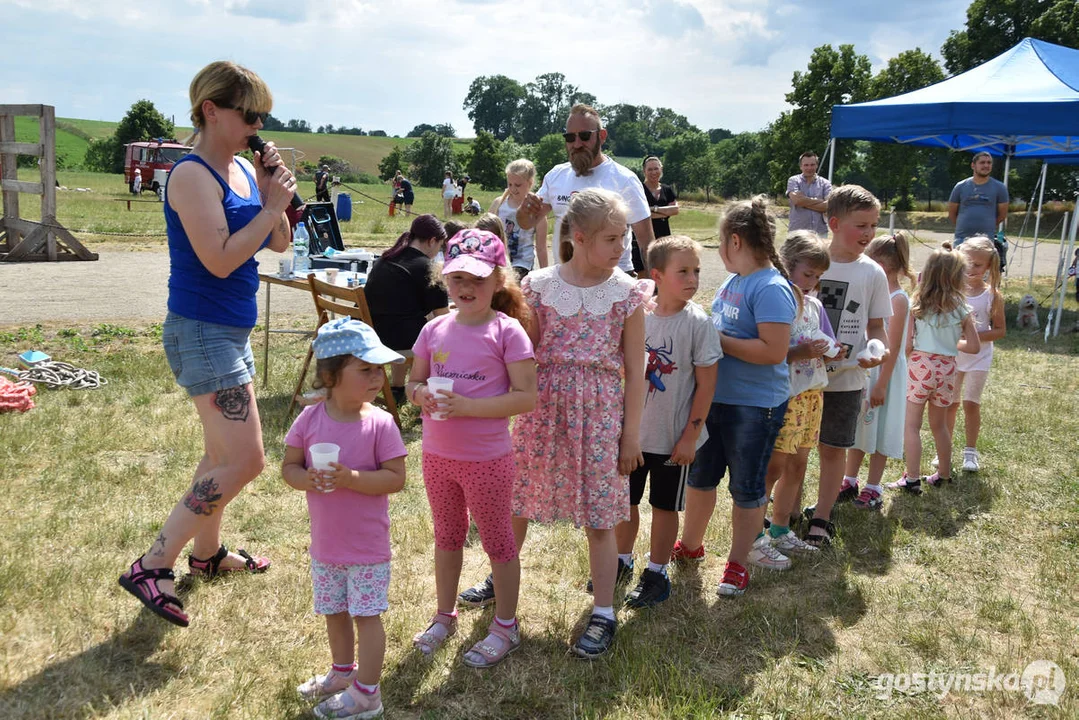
x,y
753,312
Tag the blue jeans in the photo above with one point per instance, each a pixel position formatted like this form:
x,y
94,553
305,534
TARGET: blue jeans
x,y
206,357
740,439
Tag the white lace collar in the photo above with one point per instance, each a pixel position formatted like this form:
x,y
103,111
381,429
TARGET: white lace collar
x,y
567,300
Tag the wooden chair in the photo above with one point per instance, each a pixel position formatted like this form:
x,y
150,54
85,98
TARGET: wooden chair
x,y
332,300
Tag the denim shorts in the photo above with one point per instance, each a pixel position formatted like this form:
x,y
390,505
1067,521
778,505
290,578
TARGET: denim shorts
x,y
740,439
839,420
206,357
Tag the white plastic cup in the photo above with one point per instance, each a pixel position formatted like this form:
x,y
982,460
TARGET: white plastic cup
x,y
434,386
284,267
875,348
331,275
322,454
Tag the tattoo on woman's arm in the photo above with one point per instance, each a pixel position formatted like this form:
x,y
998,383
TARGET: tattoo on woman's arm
x,y
234,403
203,498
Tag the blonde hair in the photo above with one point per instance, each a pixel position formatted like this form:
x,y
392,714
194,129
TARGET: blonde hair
x,y
589,212
941,289
492,224
751,221
846,199
226,83
661,251
805,246
982,244
587,111
521,168
892,252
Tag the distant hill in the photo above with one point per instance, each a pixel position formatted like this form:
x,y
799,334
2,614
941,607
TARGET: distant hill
x,y
362,152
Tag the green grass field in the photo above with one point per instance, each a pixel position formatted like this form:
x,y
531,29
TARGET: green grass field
x,y
980,574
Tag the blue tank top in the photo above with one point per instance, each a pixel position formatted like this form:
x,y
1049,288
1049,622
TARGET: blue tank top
x,y
194,292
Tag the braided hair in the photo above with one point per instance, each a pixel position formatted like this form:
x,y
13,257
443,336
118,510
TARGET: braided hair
x,y
751,221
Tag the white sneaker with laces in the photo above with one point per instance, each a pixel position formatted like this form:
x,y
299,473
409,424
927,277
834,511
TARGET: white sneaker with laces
x,y
763,555
791,543
971,460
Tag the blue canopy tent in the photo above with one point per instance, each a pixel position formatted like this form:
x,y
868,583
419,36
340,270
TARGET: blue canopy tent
x,y
1022,103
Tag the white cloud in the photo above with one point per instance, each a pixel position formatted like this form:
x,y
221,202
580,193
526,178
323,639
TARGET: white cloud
x,y
390,66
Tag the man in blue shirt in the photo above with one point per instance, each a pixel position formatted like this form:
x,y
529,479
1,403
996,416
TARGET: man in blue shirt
x,y
979,203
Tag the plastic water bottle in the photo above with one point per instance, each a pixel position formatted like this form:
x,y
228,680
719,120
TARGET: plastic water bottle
x,y
301,251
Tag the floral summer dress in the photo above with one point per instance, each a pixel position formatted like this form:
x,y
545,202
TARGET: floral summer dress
x,y
567,448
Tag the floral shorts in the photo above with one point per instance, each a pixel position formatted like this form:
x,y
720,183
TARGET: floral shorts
x,y
801,425
361,590
931,378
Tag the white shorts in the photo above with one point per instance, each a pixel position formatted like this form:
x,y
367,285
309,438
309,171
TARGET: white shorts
x,y
971,384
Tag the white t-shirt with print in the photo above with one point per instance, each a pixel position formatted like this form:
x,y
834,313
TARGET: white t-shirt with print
x,y
561,182
520,243
852,294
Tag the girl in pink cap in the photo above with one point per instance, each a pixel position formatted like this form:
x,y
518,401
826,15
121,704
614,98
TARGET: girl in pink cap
x,y
468,465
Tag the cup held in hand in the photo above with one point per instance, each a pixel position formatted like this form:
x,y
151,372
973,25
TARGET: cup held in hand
x,y
436,385
322,454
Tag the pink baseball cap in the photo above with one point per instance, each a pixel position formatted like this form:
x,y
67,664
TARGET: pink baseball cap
x,y
475,252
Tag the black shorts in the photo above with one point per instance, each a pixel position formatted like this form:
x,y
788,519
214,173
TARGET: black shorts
x,y
667,491
839,421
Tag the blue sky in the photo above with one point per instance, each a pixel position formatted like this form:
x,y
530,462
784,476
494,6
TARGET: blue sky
x,y
392,65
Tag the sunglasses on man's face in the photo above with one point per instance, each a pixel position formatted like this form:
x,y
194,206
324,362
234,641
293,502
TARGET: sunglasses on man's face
x,y
250,116
585,135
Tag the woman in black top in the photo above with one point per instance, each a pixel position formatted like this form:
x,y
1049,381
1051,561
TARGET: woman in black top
x,y
661,199
400,293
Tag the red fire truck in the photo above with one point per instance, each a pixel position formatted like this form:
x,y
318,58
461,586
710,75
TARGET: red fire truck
x,y
152,160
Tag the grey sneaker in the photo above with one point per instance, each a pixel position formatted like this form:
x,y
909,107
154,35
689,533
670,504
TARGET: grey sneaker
x,y
763,555
791,543
971,460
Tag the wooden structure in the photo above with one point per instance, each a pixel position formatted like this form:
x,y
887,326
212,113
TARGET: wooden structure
x,y
23,239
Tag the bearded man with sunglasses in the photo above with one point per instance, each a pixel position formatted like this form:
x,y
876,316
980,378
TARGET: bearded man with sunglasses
x,y
588,168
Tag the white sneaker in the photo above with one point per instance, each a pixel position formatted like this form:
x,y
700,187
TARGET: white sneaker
x,y
971,460
936,461
791,543
763,555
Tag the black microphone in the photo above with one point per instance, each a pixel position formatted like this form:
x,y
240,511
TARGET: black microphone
x,y
258,145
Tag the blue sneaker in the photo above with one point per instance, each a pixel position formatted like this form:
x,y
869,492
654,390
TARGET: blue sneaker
x,y
596,639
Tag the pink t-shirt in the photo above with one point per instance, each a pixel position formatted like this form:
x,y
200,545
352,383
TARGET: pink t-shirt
x,y
475,357
347,527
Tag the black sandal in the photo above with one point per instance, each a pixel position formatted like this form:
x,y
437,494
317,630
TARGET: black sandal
x,y
820,541
211,568
142,583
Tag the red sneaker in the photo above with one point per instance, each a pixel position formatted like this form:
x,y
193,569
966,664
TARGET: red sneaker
x,y
735,580
681,555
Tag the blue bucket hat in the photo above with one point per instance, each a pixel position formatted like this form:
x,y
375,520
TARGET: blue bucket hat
x,y
346,336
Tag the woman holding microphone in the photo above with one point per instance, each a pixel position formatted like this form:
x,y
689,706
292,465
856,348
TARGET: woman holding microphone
x,y
219,211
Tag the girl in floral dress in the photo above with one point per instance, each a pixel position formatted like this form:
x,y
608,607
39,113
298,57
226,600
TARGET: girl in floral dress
x,y
575,451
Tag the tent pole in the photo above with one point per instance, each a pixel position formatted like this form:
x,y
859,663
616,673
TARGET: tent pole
x,y
831,158
1063,276
1037,224
891,223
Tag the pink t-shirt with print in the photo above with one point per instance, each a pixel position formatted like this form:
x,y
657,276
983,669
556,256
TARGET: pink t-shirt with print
x,y
475,357
347,527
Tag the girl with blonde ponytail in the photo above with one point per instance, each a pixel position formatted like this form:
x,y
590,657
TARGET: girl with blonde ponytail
x,y
753,310
524,246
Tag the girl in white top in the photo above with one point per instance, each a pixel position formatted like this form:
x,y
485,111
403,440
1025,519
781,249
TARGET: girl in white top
x,y
987,303
880,433
449,192
942,327
524,246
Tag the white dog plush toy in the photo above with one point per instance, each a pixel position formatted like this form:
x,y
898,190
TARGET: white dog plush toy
x,y
1028,313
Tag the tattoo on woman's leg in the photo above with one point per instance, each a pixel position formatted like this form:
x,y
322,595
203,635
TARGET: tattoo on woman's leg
x,y
234,403
203,498
158,548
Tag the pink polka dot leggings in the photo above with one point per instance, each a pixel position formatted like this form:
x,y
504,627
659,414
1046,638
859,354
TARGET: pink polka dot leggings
x,y
455,487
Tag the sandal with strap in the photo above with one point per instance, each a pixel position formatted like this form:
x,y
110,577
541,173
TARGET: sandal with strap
x,y
211,568
142,583
820,541
494,648
431,639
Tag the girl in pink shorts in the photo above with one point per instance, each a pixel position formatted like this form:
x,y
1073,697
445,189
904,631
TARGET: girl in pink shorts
x,y
468,465
942,327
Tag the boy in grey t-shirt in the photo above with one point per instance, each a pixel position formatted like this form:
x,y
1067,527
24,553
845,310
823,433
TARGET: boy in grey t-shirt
x,y
683,351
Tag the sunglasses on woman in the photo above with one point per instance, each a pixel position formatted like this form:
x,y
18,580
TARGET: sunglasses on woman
x,y
250,116
585,135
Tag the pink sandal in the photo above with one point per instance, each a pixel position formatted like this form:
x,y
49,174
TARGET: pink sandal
x,y
431,639
211,567
494,648
142,583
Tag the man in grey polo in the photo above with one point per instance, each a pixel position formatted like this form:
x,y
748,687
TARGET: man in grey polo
x,y
808,193
979,203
